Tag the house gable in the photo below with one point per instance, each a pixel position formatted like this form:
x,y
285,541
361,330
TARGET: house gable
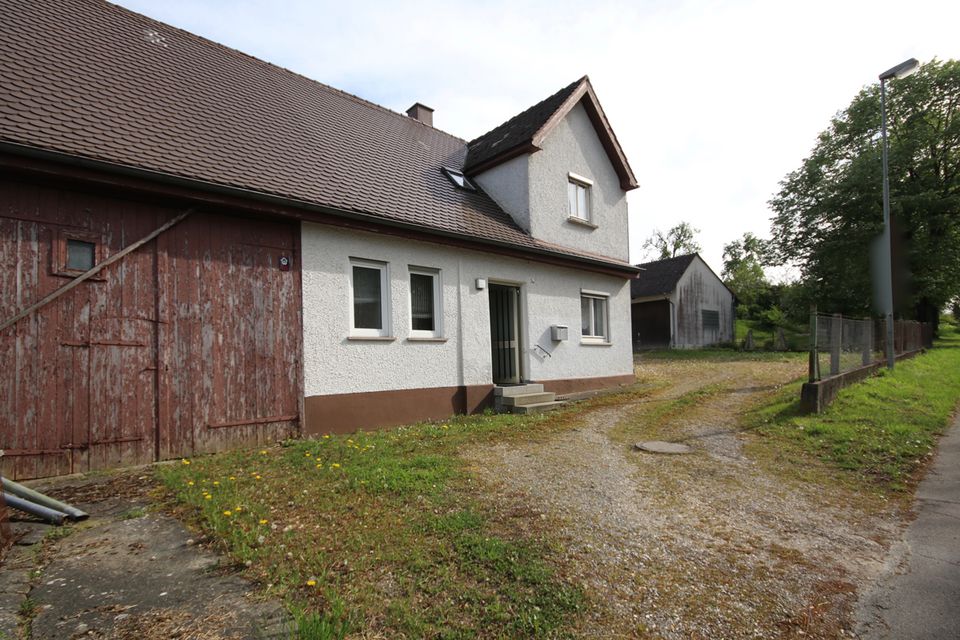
x,y
565,138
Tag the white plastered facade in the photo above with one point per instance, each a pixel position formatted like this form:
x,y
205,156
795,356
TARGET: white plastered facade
x,y
334,363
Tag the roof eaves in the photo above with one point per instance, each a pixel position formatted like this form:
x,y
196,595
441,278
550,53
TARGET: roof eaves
x,y
28,151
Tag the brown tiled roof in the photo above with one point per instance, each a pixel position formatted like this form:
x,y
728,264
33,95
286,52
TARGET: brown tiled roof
x,y
525,132
518,131
660,277
91,79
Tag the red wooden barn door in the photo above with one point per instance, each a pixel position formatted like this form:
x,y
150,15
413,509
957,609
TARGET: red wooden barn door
x,y
78,378
230,334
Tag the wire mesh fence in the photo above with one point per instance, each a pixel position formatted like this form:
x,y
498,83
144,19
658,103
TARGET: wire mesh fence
x,y
839,344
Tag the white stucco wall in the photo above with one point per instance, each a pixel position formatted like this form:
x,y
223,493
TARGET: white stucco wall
x,y
549,295
573,146
532,188
698,289
509,186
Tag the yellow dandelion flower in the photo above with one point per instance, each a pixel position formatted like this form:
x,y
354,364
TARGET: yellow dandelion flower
x,y
263,521
319,466
308,455
228,513
207,497
311,583
326,436
238,509
185,461
190,483
216,483
335,465
256,477
263,452
233,477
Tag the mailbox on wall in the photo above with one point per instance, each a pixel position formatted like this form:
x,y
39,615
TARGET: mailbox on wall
x,y
558,332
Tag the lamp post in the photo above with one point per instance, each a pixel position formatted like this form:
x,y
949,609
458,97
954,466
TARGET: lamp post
x,y
902,70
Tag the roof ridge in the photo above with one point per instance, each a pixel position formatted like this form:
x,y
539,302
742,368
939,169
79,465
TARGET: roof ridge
x,y
231,50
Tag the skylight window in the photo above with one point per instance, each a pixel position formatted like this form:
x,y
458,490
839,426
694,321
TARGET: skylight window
x,y
458,179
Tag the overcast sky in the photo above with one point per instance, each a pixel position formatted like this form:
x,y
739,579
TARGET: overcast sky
x,y
713,102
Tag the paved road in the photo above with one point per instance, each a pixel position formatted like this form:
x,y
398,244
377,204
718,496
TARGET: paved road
x,y
921,600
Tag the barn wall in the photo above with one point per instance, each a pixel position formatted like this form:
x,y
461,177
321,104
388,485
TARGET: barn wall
x,y
697,290
188,344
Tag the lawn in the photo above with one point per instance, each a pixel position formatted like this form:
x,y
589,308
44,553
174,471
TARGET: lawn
x,y
379,532
882,430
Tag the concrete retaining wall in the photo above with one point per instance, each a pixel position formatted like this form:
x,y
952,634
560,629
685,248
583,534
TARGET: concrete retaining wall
x,y
816,396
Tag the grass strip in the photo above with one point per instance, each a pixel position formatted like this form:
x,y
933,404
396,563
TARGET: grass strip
x,y
881,430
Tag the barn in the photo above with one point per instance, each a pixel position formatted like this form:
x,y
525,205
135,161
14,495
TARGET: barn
x,y
680,303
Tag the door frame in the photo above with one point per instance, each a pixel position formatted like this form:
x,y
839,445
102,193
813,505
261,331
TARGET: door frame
x,y
518,329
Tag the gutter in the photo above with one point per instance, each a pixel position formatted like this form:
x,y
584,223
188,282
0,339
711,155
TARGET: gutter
x,y
258,196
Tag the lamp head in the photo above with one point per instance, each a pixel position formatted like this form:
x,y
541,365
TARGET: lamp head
x,y
902,70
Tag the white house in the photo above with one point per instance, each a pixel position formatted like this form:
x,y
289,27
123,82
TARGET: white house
x,y
305,261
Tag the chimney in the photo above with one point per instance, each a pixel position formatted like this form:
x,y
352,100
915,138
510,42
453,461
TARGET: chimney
x,y
421,112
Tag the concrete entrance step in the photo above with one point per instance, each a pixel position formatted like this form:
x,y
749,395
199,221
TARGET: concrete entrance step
x,y
528,398
517,390
538,407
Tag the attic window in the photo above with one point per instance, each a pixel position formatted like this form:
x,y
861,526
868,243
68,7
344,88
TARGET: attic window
x,y
458,179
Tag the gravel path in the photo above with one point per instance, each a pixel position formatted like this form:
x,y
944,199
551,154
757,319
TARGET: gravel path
x,y
713,544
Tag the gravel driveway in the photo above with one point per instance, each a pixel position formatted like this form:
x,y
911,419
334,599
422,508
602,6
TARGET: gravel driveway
x,y
715,544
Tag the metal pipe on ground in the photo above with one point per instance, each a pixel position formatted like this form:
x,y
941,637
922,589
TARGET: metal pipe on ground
x,y
20,491
50,515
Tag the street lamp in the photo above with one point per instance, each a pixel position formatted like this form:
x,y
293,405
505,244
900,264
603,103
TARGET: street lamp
x,y
902,70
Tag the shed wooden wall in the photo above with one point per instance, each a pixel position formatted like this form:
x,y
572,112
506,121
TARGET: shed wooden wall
x,y
700,289
190,344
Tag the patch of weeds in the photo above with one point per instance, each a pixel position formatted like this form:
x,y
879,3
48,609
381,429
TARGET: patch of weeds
x,y
718,354
374,527
55,534
133,514
881,431
28,608
332,624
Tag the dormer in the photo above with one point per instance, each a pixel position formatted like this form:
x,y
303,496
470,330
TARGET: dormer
x,y
559,171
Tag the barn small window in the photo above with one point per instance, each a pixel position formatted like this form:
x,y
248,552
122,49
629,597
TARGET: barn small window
x,y
711,320
81,255
75,251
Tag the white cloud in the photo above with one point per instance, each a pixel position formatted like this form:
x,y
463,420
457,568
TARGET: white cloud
x,y
714,102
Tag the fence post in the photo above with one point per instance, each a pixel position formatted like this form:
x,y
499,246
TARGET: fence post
x,y
866,332
836,336
814,363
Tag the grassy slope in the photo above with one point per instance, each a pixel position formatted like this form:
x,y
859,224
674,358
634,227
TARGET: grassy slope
x,y
882,429
377,531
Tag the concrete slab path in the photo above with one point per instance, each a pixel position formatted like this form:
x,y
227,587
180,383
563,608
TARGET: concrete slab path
x,y
920,599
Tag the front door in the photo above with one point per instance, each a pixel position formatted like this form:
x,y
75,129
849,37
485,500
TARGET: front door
x,y
504,333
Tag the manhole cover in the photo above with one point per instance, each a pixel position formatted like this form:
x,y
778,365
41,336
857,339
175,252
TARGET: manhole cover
x,y
656,446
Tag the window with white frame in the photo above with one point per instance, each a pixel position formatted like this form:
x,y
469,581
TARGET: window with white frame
x,y
425,303
594,323
578,197
370,311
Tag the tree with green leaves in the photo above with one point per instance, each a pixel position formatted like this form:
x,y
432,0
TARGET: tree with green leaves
x,y
743,262
679,240
828,213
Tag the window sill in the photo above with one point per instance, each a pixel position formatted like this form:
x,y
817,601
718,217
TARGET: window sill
x,y
371,338
425,339
586,342
581,222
